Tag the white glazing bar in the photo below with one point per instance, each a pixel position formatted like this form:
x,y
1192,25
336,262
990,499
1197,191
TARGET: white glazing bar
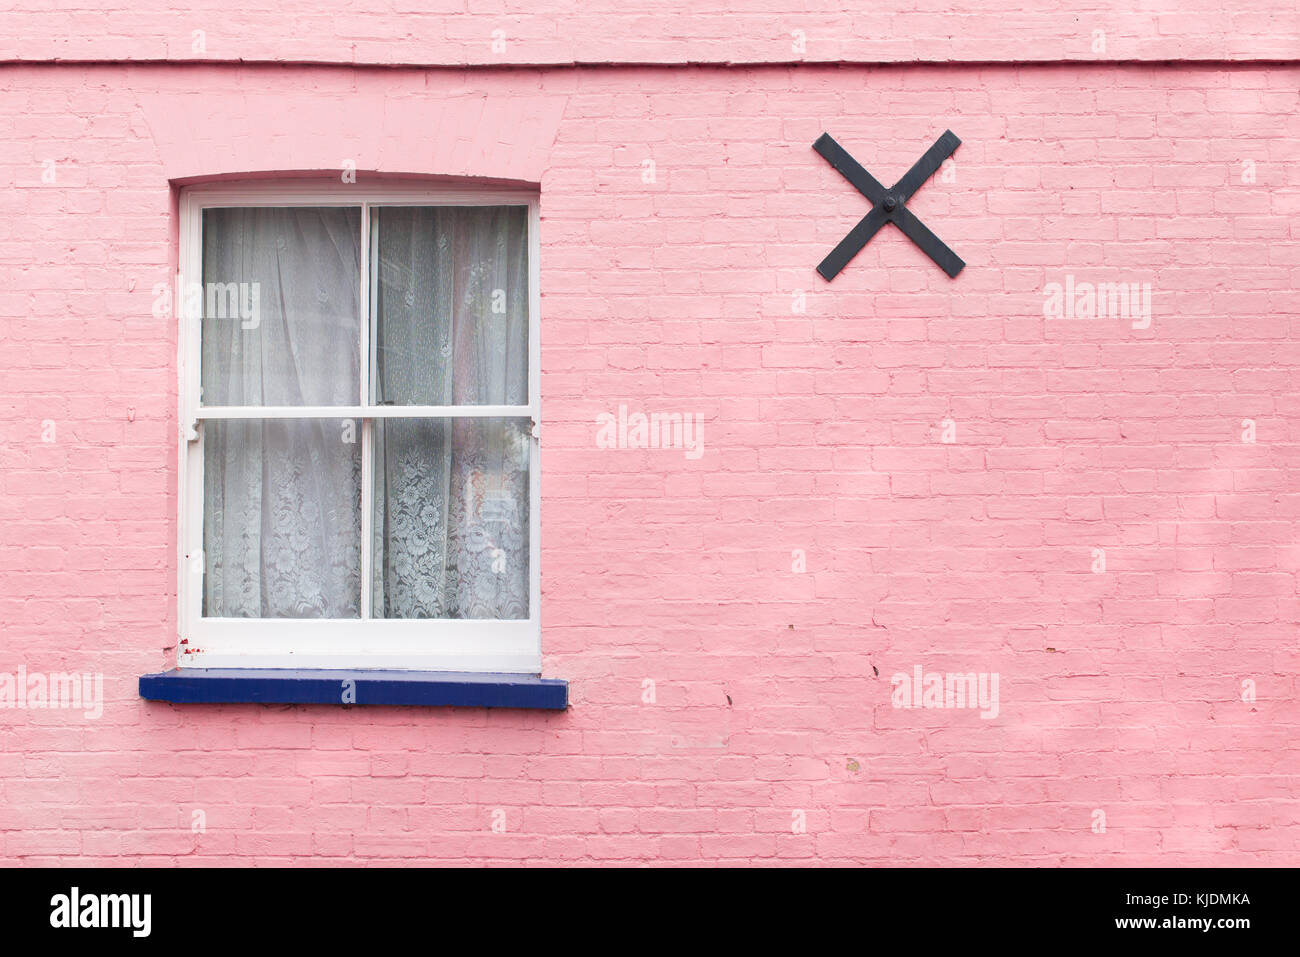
x,y
364,412
363,304
367,505
363,299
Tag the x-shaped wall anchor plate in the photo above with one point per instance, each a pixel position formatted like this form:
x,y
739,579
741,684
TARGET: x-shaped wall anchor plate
x,y
888,205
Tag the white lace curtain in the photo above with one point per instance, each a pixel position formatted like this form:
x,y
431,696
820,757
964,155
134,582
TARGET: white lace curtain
x,y
449,501
451,495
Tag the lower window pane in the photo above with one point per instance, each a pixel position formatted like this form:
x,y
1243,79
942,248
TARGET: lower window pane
x,y
282,518
451,518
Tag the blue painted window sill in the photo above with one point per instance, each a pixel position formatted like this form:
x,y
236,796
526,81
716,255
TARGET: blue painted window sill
x,y
312,686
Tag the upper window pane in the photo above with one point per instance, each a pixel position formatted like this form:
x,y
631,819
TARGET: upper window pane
x,y
450,305
281,316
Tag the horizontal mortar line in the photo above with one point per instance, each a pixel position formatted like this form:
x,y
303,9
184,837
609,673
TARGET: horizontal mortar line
x,y
1221,62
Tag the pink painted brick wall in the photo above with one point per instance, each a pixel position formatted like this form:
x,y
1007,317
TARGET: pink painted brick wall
x,y
673,31
1120,692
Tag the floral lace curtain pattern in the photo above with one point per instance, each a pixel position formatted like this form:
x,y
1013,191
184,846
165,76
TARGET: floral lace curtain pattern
x,y
450,496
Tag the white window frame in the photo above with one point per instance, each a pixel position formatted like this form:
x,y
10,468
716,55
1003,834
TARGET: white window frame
x,y
500,646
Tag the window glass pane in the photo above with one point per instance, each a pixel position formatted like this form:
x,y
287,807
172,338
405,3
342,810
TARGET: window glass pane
x,y
451,514
450,305
282,518
279,299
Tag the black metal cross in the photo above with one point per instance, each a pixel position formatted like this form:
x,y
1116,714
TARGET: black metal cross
x,y
888,205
